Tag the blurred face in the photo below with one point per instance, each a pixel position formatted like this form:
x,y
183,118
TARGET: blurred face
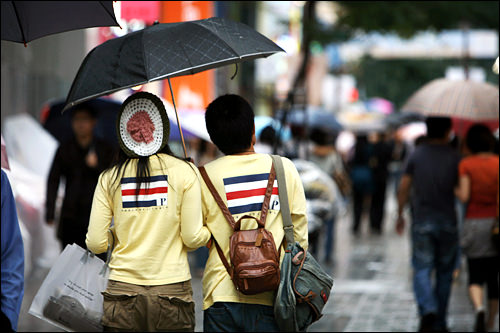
x,y
83,124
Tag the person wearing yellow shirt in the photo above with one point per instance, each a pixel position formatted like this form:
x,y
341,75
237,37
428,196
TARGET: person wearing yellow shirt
x,y
240,178
153,200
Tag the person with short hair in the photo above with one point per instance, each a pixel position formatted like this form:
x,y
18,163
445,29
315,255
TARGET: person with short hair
x,y
240,178
478,189
154,200
79,161
431,174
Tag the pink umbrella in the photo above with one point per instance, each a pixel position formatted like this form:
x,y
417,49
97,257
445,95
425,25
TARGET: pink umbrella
x,y
5,160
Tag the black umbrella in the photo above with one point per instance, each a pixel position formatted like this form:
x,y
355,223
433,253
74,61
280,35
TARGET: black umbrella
x,y
166,50
24,21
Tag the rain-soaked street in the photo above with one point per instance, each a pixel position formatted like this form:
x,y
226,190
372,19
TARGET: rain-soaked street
x,y
372,289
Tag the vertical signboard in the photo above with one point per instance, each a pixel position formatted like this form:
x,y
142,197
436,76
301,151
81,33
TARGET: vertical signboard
x,y
191,92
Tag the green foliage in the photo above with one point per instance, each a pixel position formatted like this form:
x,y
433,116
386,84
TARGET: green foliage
x,y
397,79
409,17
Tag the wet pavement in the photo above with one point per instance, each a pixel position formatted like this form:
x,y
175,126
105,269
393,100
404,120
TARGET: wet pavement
x,y
372,289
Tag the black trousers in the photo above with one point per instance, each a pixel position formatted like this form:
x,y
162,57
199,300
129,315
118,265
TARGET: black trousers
x,y
377,206
358,199
75,231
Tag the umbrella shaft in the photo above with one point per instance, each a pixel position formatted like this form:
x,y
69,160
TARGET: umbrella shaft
x,y
177,116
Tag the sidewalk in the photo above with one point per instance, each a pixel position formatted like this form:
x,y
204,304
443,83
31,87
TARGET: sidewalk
x,y
372,287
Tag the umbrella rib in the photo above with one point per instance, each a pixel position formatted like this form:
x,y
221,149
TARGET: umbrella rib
x,y
173,74
185,54
229,46
19,22
110,14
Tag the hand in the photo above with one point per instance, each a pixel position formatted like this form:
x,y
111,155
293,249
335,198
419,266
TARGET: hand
x,y
400,225
91,159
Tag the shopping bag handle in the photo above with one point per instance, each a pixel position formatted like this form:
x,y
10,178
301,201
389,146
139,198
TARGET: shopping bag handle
x,y
108,254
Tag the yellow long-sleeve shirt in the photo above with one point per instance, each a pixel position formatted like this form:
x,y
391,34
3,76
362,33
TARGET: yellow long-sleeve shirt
x,y
238,179
151,240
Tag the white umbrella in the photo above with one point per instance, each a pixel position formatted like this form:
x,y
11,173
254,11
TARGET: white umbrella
x,y
476,101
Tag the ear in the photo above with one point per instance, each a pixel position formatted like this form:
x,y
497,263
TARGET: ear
x,y
254,138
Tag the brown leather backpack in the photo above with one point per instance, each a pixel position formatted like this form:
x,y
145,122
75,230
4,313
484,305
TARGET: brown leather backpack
x,y
254,259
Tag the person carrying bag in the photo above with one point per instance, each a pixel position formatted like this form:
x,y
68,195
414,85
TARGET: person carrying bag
x,y
304,286
72,299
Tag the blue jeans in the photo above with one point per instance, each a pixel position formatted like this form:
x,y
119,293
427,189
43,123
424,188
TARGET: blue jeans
x,y
434,248
239,317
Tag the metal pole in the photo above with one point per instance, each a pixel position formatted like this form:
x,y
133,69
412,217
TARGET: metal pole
x,y
177,116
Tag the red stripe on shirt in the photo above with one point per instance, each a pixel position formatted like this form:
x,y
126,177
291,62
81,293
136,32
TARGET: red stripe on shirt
x,y
144,191
249,193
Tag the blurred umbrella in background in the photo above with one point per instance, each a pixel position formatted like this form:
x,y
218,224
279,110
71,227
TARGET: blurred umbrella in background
x,y
24,21
358,119
262,122
381,105
466,102
59,124
166,50
313,117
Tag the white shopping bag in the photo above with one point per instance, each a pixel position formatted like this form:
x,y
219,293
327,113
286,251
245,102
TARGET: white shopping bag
x,y
70,296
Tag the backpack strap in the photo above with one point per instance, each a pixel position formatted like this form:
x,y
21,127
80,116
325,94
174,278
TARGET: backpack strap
x,y
229,217
283,195
225,211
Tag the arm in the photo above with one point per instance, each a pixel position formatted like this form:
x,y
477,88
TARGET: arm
x,y
403,195
12,256
53,187
194,234
462,191
100,219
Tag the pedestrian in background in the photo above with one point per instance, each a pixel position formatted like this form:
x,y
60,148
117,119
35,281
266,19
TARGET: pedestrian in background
x,y
12,259
326,157
154,199
361,174
431,174
478,189
230,124
382,156
78,162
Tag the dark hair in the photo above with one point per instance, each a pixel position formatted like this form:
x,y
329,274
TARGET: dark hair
x,y
322,136
479,139
268,135
437,127
143,171
230,123
361,150
84,107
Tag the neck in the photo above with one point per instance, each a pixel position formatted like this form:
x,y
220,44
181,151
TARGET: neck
x,y
246,152
84,141
438,141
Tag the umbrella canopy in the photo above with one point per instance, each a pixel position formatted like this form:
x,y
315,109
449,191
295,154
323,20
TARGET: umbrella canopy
x,y
476,101
163,51
24,21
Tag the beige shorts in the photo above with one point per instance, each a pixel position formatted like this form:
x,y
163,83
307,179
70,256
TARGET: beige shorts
x,y
130,307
